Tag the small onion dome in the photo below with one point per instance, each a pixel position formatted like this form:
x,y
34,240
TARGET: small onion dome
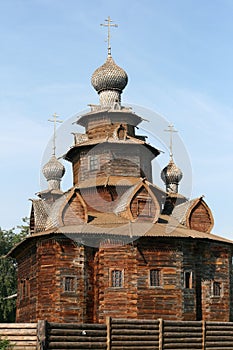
x,y
171,174
53,172
109,77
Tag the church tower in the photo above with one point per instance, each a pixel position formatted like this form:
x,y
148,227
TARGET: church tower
x,y
115,244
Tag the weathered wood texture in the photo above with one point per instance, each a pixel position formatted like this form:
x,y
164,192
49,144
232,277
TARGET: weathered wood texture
x,y
182,335
115,160
185,290
22,336
121,334
74,211
76,336
219,335
200,218
134,334
54,261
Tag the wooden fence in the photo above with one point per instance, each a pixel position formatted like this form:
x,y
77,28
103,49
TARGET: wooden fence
x,y
121,334
22,336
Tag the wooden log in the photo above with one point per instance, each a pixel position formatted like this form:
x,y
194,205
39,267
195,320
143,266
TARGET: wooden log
x,y
73,345
182,329
128,321
18,326
216,343
181,346
128,332
17,332
153,327
73,332
143,344
20,337
41,335
135,337
134,347
181,335
77,339
109,333
97,326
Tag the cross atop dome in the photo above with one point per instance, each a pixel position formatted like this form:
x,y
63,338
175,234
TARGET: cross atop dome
x,y
171,174
54,121
171,130
109,24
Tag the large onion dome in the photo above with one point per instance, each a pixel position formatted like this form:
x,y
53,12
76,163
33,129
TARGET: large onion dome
x,y
171,176
53,171
109,80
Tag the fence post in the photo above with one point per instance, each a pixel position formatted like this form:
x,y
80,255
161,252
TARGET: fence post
x,y
160,334
109,332
41,335
203,334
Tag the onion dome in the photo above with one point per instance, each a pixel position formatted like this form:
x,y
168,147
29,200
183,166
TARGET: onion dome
x,y
53,171
171,176
109,80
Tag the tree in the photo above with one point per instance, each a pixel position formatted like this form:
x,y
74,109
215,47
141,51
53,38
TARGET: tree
x,y
8,270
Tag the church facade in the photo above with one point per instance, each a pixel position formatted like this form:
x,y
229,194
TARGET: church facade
x,y
115,244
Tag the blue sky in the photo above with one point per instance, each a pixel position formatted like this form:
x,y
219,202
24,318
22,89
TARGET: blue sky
x,y
178,55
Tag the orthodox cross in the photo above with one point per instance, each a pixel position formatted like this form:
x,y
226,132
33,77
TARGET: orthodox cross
x,y
171,130
109,24
54,121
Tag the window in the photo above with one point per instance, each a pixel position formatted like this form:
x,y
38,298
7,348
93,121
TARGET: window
x,y
93,162
188,283
117,278
144,207
155,278
121,133
69,284
217,289
24,291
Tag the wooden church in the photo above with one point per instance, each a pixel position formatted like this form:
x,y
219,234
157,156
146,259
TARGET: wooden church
x,y
115,244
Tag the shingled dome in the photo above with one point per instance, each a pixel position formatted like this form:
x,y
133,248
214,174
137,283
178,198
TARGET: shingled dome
x,y
171,175
109,77
53,171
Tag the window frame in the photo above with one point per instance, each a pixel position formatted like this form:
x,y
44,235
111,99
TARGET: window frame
x,y
24,289
158,278
93,162
111,284
147,201
74,289
190,279
220,285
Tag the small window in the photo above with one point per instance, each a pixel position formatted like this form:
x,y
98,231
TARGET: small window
x,y
117,278
121,133
155,278
69,284
217,289
93,162
24,291
188,280
144,207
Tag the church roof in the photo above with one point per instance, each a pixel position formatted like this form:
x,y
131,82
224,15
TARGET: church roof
x,y
111,140
105,225
182,212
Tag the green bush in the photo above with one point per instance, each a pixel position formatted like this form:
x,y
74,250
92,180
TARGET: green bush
x,y
5,344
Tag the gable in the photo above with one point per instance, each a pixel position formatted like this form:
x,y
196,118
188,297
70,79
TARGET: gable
x,y
195,214
143,206
138,203
200,217
74,211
